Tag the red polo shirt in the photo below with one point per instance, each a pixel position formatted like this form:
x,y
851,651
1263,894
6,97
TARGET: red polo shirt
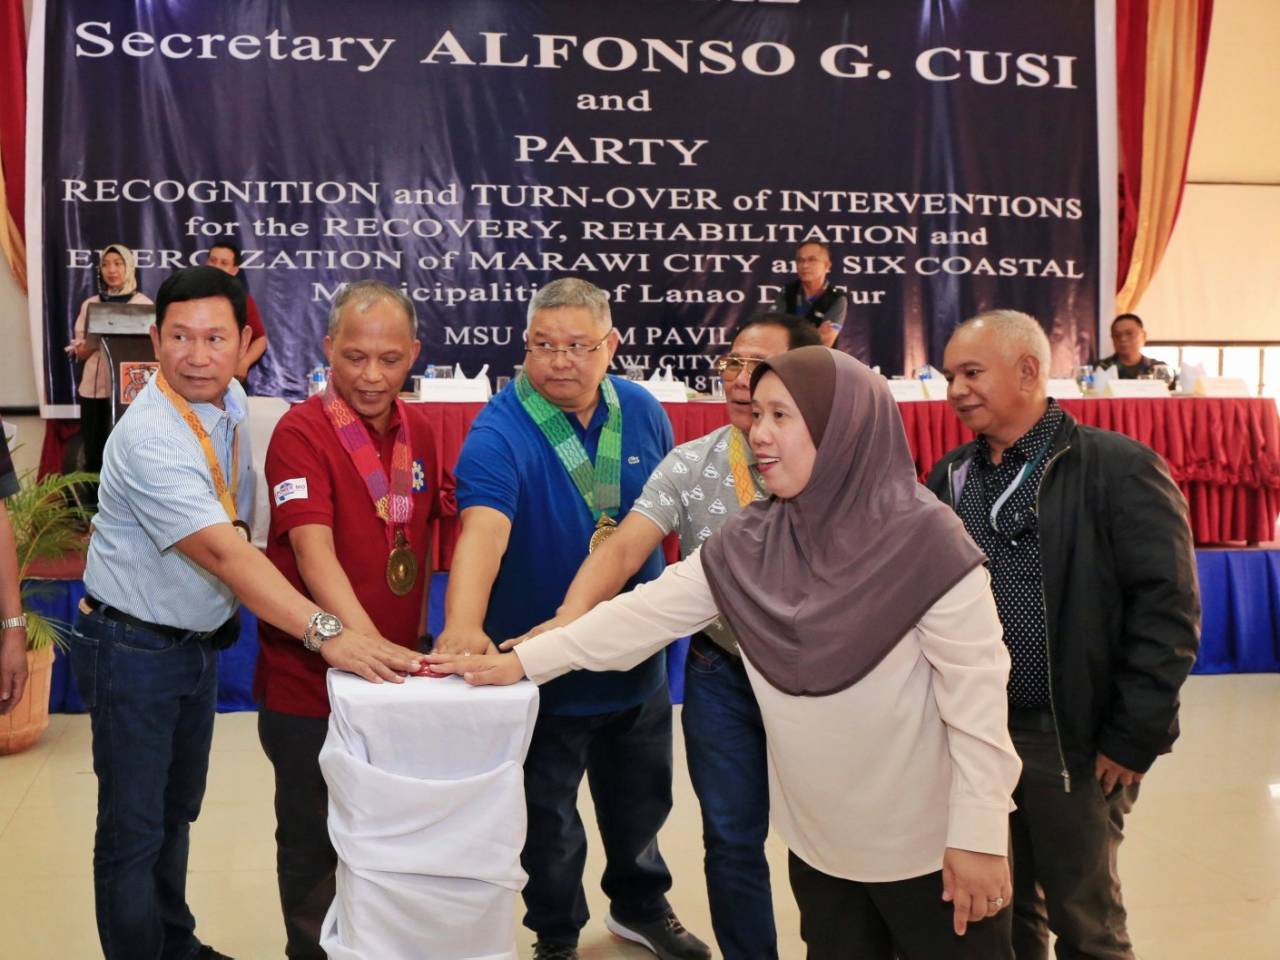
x,y
253,319
311,479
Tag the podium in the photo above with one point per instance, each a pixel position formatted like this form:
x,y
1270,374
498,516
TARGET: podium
x,y
123,334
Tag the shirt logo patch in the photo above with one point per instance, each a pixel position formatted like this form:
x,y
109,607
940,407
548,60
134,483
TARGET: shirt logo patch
x,y
286,490
633,460
419,477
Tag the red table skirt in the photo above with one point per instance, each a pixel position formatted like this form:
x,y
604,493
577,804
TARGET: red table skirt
x,y
1223,453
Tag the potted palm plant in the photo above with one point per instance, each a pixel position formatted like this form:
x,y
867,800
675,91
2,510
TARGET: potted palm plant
x,y
48,520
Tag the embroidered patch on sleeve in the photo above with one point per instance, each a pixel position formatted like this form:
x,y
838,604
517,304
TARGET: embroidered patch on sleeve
x,y
286,490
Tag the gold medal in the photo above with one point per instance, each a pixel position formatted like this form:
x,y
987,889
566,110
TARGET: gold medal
x,y
242,528
402,567
605,528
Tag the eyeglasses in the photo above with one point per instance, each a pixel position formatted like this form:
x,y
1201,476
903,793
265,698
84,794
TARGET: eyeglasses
x,y
730,366
578,351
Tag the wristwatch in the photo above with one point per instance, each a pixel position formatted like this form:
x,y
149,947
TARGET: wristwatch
x,y
323,626
19,621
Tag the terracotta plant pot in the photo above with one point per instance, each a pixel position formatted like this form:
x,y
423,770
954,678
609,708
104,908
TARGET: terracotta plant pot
x,y
22,726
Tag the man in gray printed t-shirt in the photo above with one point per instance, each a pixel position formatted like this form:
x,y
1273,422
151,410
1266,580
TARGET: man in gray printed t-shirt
x,y
698,486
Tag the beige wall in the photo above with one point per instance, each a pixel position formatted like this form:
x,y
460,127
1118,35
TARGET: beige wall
x,y
1220,277
1237,136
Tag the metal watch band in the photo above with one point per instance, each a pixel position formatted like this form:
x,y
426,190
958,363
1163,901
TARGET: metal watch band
x,y
19,621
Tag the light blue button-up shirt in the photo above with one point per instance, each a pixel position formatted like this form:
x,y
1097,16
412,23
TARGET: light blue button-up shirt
x,y
156,489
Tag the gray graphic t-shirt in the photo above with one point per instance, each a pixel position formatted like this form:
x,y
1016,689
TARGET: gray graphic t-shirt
x,y
692,492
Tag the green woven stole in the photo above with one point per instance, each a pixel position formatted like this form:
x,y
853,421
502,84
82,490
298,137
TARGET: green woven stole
x,y
600,483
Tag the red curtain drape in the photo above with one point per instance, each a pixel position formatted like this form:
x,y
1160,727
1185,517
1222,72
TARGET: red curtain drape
x,y
13,119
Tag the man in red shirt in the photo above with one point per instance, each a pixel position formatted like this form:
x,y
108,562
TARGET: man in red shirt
x,y
225,255
355,490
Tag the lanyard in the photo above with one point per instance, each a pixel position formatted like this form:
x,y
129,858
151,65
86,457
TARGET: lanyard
x,y
227,495
1027,470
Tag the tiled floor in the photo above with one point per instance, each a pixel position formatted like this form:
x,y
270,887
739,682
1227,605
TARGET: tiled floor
x,y
1201,865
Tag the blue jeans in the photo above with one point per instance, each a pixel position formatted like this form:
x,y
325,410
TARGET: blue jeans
x,y
724,742
151,699
627,760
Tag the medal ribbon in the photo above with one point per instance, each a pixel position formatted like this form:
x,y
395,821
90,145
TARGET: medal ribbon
x,y
226,495
744,481
391,497
600,484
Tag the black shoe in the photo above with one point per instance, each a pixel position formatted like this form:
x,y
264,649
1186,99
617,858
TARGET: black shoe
x,y
546,950
207,952
665,936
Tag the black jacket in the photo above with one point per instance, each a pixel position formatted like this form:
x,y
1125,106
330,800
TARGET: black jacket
x,y
1122,606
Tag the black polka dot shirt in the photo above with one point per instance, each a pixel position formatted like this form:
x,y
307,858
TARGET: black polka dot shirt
x,y
1012,545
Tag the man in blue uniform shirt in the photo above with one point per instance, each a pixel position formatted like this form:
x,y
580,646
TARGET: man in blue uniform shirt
x,y
549,468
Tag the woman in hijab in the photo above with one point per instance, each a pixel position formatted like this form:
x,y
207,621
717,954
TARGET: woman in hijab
x,y
873,645
117,277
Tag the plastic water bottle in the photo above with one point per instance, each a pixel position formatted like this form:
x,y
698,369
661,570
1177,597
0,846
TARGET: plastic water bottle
x,y
318,380
431,371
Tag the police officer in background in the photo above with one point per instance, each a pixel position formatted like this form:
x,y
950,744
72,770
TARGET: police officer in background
x,y
812,296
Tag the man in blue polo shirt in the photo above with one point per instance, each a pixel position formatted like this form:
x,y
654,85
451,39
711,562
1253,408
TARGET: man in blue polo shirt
x,y
548,470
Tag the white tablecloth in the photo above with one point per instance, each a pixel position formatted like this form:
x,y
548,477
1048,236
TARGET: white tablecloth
x,y
427,814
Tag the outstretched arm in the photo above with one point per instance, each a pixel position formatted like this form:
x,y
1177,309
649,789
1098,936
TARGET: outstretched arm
x,y
616,635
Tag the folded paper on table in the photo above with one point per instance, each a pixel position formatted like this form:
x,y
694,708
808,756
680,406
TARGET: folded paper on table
x,y
1138,388
1063,388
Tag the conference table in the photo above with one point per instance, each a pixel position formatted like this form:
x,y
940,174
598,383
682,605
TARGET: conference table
x,y
1224,453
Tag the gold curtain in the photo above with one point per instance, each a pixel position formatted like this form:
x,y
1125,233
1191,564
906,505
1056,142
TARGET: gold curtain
x,y
1172,90
11,244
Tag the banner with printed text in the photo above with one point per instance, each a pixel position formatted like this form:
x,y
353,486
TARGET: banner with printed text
x,y
674,152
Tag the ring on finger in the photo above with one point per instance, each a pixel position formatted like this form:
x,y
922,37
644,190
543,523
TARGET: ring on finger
x,y
998,901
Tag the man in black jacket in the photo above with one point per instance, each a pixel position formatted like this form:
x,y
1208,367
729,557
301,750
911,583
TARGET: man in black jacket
x,y
810,296
1093,573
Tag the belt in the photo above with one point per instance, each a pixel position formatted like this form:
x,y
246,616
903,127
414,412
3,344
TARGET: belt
x,y
1037,719
89,604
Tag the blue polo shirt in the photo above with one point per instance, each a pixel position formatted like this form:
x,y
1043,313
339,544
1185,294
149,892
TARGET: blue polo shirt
x,y
507,464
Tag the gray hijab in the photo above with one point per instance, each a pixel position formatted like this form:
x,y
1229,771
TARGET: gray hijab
x,y
820,587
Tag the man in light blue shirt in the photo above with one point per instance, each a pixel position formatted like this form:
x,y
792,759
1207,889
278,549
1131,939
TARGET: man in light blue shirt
x,y
167,568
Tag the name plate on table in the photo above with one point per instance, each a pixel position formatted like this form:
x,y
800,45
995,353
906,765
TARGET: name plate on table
x,y
454,390
1063,388
903,390
666,391
1222,387
1137,388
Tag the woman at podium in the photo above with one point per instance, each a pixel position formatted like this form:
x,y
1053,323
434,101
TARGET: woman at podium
x,y
117,277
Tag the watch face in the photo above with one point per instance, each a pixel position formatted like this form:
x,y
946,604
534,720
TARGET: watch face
x,y
328,626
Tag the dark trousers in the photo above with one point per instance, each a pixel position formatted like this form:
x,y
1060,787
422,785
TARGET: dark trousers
x,y
626,757
305,859
725,747
1064,857
905,919
151,702
95,425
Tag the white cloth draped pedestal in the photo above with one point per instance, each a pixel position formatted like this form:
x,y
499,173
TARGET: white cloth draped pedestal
x,y
427,814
